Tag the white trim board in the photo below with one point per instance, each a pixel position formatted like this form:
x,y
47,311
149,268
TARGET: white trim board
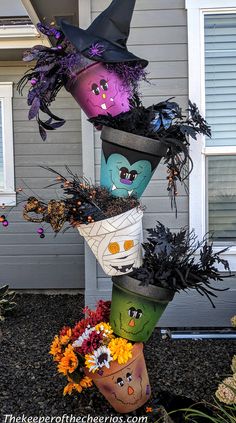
x,y
88,162
7,195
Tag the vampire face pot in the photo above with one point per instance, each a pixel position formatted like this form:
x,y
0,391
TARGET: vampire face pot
x,y
128,161
136,309
116,242
126,387
99,91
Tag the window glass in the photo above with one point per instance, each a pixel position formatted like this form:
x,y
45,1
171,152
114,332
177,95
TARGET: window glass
x,y
220,74
222,197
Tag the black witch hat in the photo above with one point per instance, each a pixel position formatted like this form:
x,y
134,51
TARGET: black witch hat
x,y
105,39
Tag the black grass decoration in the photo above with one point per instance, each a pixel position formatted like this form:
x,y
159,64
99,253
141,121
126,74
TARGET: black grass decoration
x,y
170,262
166,123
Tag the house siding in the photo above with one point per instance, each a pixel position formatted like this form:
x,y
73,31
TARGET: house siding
x,y
26,260
159,34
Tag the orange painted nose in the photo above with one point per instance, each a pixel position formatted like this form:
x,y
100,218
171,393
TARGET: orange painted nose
x,y
130,390
104,96
132,323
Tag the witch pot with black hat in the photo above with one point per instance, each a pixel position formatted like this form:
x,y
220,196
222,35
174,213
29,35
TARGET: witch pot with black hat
x,y
105,39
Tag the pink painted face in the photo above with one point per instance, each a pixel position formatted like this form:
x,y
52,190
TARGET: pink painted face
x,y
99,91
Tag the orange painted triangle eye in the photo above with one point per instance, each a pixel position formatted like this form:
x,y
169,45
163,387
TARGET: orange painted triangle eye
x,y
114,247
128,244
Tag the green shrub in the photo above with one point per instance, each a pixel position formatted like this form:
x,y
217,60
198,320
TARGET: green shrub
x,y
6,301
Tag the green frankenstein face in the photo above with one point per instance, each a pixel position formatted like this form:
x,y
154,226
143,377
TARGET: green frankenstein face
x,y
134,317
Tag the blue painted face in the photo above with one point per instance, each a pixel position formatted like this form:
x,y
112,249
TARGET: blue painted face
x,y
124,179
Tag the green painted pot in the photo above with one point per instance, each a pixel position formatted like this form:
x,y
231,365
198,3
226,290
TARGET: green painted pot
x,y
135,309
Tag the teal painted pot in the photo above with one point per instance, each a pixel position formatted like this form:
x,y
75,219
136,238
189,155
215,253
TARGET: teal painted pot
x,y
135,309
128,161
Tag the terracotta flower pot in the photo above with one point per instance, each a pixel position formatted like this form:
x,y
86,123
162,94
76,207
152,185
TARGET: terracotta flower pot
x,y
126,387
99,91
136,309
116,242
128,161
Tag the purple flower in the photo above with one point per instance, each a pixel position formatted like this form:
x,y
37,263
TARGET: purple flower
x,y
96,50
49,30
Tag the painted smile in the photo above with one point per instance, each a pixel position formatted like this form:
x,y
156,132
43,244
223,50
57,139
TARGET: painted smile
x,y
125,268
103,106
136,400
131,191
132,332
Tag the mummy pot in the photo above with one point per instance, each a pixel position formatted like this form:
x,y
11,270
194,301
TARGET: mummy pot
x,y
126,387
136,309
128,161
116,242
99,91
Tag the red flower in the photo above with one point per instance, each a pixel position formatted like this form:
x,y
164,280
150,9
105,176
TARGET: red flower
x,y
93,317
92,343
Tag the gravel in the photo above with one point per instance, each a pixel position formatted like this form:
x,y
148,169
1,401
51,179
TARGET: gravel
x,y
181,371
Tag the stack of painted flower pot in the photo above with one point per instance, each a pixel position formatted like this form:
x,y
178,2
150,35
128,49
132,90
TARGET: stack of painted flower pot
x,y
94,65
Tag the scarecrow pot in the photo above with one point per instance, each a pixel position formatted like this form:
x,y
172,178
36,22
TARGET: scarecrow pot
x,y
128,161
136,309
126,387
99,91
116,242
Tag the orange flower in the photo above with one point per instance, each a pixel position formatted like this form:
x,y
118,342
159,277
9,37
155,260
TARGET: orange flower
x,y
68,388
149,410
86,382
69,361
55,347
65,339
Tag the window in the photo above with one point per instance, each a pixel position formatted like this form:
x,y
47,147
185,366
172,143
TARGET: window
x,y
7,193
220,97
212,85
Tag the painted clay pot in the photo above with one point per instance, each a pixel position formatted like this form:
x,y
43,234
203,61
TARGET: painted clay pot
x,y
116,242
99,91
136,309
126,387
128,161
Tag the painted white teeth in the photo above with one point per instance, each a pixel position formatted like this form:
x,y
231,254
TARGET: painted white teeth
x,y
103,106
113,187
130,192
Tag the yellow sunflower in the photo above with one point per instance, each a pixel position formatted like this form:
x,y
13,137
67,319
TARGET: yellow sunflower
x,y
121,350
69,361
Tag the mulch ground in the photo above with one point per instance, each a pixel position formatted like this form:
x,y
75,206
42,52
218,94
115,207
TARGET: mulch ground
x,y
179,370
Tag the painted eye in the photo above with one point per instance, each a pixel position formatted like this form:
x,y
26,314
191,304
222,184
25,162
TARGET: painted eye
x,y
131,311
104,84
128,244
95,89
114,247
120,382
133,175
139,314
124,172
129,377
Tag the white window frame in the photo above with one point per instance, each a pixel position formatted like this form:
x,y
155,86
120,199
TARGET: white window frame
x,y
7,194
196,9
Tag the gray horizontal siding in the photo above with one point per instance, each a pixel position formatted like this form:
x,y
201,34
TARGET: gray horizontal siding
x,y
158,33
26,260
99,5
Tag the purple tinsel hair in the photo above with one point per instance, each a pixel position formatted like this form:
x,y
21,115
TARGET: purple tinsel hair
x,y
131,74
